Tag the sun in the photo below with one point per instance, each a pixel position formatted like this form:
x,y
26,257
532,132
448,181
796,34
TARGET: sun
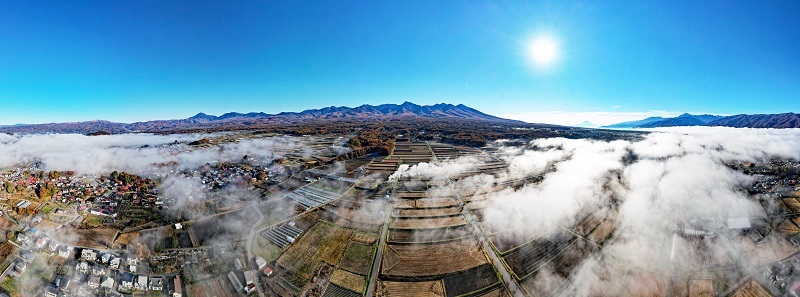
x,y
543,51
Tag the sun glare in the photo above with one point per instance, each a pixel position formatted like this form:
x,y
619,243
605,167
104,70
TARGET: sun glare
x,y
543,51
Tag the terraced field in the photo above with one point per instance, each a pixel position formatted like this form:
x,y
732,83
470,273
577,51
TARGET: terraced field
x,y
428,223
430,261
411,289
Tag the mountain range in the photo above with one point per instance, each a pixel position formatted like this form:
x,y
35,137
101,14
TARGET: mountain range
x,y
654,122
783,120
407,110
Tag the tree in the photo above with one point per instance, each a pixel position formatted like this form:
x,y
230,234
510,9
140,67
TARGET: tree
x,y
8,187
46,190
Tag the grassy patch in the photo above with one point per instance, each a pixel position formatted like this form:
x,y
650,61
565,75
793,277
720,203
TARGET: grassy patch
x,y
323,242
350,281
10,286
357,258
92,221
266,250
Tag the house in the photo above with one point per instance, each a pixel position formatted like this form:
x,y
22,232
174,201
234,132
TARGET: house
x,y
114,263
268,272
261,263
22,238
156,283
141,283
20,267
63,251
82,267
53,246
126,281
88,255
250,282
105,258
62,282
94,282
98,270
249,278
108,282
238,264
51,291
42,242
27,256
178,290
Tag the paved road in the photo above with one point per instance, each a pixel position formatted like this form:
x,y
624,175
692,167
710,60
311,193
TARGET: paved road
x,y
6,271
512,286
376,265
249,246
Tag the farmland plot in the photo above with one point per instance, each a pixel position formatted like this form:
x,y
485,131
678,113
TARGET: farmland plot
x,y
323,242
431,261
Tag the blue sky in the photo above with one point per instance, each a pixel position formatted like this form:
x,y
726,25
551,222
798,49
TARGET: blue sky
x,y
143,60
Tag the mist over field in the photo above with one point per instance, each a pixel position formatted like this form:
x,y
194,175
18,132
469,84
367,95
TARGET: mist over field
x,y
142,154
652,188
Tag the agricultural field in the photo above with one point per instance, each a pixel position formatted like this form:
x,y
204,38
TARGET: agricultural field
x,y
357,258
432,223
429,235
751,288
431,261
505,241
479,279
217,287
545,284
264,249
569,260
421,213
500,291
348,280
427,203
125,239
701,288
100,238
530,257
334,290
322,243
603,231
643,283
225,227
411,289
588,224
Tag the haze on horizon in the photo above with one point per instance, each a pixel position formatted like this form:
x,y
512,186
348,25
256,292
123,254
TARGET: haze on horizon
x,y
541,61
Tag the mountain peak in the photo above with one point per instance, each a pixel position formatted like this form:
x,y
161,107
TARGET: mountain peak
x,y
586,124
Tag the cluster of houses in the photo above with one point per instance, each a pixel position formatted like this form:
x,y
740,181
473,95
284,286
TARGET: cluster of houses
x,y
243,279
97,271
75,190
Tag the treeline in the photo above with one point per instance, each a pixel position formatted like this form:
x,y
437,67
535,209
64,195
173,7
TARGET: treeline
x,y
374,139
377,134
136,183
